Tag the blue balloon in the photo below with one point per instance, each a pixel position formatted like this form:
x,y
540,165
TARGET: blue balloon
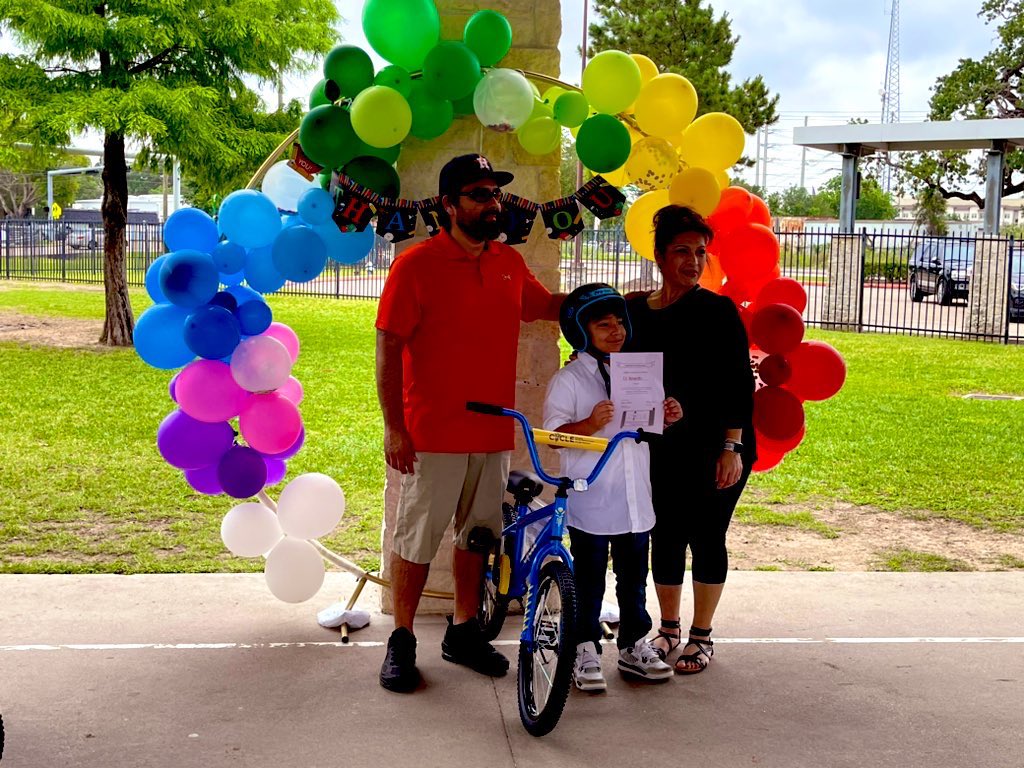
x,y
153,281
260,272
249,218
212,332
160,337
346,247
254,317
299,254
316,206
290,220
229,258
190,229
226,300
230,280
244,293
189,279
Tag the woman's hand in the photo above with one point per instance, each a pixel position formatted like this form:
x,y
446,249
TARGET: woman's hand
x,y
728,469
673,410
601,415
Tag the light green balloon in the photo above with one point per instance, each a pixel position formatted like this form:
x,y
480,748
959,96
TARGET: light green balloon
x,y
540,135
611,81
402,31
381,116
571,109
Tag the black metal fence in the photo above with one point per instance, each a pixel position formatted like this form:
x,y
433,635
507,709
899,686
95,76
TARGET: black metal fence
x,y
967,286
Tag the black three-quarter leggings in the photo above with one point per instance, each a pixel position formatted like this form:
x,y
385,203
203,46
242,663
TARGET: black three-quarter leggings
x,y
690,512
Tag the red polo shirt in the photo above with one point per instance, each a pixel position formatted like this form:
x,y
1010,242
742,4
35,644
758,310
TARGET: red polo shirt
x,y
459,316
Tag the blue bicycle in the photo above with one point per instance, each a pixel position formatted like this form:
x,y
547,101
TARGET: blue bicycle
x,y
530,563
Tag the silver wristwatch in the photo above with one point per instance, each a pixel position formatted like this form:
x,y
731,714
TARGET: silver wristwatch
x,y
732,445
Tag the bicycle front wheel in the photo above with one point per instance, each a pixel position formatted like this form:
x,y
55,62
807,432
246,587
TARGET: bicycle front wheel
x,y
545,672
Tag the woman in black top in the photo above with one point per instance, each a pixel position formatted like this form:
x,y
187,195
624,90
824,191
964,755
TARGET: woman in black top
x,y
701,465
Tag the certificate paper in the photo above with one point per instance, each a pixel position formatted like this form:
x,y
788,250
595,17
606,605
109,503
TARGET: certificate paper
x,y
638,391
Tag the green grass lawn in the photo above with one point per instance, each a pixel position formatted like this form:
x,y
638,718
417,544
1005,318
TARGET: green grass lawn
x,y
86,491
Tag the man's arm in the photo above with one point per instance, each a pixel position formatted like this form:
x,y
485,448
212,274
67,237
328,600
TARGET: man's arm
x,y
554,306
399,451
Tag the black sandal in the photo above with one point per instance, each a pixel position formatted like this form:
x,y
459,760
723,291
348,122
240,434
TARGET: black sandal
x,y
701,657
673,640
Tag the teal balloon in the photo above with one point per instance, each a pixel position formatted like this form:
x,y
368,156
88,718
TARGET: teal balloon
x,y
299,254
324,92
489,35
375,174
396,77
326,136
260,272
159,337
402,31
602,143
350,67
431,116
451,70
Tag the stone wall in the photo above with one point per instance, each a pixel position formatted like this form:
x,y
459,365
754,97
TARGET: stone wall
x,y
842,295
536,26
987,297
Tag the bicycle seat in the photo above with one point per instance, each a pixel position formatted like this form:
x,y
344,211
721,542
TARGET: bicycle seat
x,y
525,486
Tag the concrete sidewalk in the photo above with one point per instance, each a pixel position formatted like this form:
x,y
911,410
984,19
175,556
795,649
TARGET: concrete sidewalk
x,y
811,669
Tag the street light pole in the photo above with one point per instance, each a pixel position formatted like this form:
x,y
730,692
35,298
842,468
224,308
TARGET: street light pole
x,y
578,261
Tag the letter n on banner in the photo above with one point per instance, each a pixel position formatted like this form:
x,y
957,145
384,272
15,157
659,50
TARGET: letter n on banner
x,y
601,198
396,220
517,217
563,219
434,215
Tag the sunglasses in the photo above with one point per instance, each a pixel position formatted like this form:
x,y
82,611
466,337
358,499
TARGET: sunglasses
x,y
482,195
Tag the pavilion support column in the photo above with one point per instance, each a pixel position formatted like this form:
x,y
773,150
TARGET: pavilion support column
x,y
848,191
986,297
994,187
844,269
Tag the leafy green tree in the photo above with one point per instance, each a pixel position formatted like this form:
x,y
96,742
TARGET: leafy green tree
x,y
169,76
688,38
23,179
930,212
873,202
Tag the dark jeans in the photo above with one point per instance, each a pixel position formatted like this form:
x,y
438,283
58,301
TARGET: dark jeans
x,y
629,562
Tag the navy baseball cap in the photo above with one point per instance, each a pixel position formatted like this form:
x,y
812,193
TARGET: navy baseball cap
x,y
465,169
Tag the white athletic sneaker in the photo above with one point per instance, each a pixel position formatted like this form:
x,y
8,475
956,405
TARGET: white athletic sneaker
x,y
642,661
586,672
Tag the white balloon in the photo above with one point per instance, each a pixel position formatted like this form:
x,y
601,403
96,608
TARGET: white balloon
x,y
310,506
250,530
503,99
285,186
261,364
295,570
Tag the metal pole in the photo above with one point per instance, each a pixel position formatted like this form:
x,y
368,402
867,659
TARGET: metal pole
x,y
848,190
994,188
803,162
578,245
757,162
49,195
176,185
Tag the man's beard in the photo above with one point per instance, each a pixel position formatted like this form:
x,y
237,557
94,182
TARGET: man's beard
x,y
481,228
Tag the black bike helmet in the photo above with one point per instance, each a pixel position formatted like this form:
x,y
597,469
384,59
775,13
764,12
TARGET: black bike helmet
x,y
583,305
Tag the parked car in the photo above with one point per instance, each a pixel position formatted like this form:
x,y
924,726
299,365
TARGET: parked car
x,y
1017,287
82,236
941,268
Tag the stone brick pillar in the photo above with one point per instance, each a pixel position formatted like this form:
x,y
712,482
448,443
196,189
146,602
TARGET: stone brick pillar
x,y
987,291
536,28
840,309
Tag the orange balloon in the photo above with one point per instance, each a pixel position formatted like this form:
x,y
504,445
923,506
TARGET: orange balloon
x,y
713,276
733,210
759,213
749,254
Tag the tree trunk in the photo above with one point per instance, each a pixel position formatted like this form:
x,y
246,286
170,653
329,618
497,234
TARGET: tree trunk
x,y
119,322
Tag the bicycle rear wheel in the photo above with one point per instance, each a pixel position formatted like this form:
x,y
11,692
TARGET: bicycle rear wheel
x,y
493,605
545,673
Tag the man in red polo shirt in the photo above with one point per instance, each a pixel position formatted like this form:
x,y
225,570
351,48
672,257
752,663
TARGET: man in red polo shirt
x,y
447,333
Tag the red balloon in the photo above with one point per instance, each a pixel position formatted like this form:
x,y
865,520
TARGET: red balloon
x,y
766,460
818,371
783,290
778,414
777,328
746,316
780,446
738,292
774,370
759,213
748,253
733,210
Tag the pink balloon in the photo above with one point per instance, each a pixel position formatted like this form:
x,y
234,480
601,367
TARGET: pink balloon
x,y
260,364
292,389
286,336
270,422
207,391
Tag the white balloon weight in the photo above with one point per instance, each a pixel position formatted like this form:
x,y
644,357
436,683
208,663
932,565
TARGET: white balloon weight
x,y
310,506
295,570
285,186
261,364
250,530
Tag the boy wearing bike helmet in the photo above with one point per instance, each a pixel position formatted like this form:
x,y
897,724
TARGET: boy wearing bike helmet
x,y
615,514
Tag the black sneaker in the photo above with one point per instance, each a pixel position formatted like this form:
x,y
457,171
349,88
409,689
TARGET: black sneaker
x,y
398,673
465,644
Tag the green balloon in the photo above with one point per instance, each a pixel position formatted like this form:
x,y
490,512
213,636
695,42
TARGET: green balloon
x,y
395,77
603,143
431,116
375,174
350,67
402,31
451,70
571,109
540,135
381,116
489,35
388,154
464,106
326,136
324,177
324,92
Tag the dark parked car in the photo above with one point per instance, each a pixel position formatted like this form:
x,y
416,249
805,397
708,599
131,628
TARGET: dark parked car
x,y
941,268
1017,287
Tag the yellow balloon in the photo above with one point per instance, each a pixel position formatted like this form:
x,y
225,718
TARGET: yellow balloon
x,y
722,177
666,105
652,163
648,69
640,221
676,140
697,189
619,177
714,141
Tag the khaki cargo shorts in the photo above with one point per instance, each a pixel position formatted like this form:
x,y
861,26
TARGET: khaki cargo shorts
x,y
468,486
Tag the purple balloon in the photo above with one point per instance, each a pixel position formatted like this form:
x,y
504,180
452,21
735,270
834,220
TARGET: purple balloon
x,y
242,472
188,443
204,480
289,452
276,470
170,387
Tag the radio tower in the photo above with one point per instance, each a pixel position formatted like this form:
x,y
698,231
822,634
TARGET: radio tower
x,y
891,84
